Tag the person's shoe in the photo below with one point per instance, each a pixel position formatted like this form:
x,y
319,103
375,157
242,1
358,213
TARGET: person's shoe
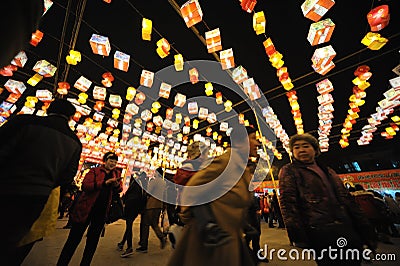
x,y
214,236
127,253
163,242
120,246
141,250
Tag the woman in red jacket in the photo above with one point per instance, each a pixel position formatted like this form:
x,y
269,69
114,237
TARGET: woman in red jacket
x,y
92,208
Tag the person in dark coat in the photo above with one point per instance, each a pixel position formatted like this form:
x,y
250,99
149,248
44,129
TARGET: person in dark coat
x,y
317,208
135,203
37,154
92,208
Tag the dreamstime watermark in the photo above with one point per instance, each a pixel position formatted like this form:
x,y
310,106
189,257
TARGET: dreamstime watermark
x,y
332,253
211,71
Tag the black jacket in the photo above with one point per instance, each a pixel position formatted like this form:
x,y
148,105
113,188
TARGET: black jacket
x,y
37,154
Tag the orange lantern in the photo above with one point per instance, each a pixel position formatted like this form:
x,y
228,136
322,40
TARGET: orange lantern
x,y
36,37
191,12
378,18
77,116
63,88
108,78
248,5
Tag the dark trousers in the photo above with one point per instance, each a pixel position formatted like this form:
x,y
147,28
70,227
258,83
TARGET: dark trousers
x,y
22,212
128,228
151,218
75,236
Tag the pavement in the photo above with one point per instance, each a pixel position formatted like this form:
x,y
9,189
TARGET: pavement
x,y
46,252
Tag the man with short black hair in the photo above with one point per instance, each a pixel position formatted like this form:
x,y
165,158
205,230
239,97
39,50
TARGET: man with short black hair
x,y
37,154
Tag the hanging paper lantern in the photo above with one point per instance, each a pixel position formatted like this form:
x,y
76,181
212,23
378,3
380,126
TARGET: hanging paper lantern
x,y
241,118
99,93
115,113
115,100
140,98
378,18
31,101
180,100
150,126
44,68
121,61
191,12
213,41
37,36
147,26
155,107
146,78
320,32
269,47
178,63
108,78
20,59
208,131
374,41
316,9
178,118
100,45
82,97
63,88
194,75
146,115
163,48
203,113
239,74
223,126
8,71
82,84
276,60
228,106
195,124
73,58
98,106
227,59
259,22
248,5
130,93
218,98
209,88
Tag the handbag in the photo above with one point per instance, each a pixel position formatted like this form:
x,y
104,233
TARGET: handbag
x,y
116,210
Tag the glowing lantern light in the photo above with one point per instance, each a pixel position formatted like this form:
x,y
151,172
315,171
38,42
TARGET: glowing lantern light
x,y
239,74
82,84
259,22
115,113
98,106
37,36
209,89
140,98
203,113
108,78
213,41
208,131
316,9
191,12
34,80
218,98
130,93
146,115
165,90
248,5
227,59
146,78
163,48
178,63
77,116
241,118
150,126
99,93
215,135
193,108
228,106
362,72
374,41
100,45
63,88
121,61
82,97
169,113
269,47
73,58
115,100
8,71
155,107
276,60
193,75
31,101
320,32
378,18
44,68
195,124
147,26
180,100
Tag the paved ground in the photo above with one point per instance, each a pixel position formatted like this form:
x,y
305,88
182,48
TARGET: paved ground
x,y
47,251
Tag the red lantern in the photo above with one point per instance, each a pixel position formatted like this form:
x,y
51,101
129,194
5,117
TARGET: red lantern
x,y
378,18
36,37
76,116
108,78
98,106
8,71
63,88
248,5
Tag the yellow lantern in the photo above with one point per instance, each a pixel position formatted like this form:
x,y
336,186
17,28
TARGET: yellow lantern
x,y
195,124
31,101
178,118
259,22
147,26
209,89
34,80
163,48
130,93
228,106
178,62
215,135
115,113
73,58
82,98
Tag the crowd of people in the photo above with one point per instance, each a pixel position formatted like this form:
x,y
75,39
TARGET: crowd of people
x,y
313,203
